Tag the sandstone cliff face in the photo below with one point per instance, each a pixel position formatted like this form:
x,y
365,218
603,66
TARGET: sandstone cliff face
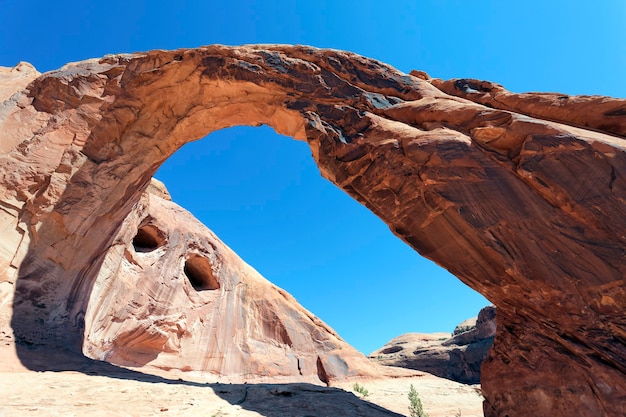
x,y
521,196
457,357
171,295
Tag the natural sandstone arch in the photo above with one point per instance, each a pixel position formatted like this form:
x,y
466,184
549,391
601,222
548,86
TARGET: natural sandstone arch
x,y
529,211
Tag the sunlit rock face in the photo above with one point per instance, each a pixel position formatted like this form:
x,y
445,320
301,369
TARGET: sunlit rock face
x,y
521,196
171,295
457,357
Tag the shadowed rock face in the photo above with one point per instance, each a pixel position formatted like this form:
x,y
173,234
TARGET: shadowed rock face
x,y
521,196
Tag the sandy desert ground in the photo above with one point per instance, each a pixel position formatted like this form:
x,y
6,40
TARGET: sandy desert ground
x,y
84,388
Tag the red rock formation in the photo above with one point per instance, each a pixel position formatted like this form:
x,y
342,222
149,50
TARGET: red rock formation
x,y
520,196
171,295
458,358
167,294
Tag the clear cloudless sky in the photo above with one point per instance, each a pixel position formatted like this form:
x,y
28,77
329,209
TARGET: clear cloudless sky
x,y
262,194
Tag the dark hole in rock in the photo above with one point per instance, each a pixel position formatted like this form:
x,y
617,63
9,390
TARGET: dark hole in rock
x,y
392,349
148,238
321,372
200,274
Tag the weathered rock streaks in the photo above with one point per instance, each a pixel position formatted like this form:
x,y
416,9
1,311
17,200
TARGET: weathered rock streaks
x,y
521,196
170,294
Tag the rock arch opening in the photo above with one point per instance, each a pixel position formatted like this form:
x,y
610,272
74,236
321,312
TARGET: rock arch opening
x,y
263,195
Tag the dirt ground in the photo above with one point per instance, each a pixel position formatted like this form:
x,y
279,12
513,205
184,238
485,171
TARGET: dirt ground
x,y
79,387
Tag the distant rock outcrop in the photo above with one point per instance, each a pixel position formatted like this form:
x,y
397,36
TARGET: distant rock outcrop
x,y
521,196
457,357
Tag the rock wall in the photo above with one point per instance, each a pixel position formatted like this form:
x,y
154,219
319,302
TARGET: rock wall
x,y
171,295
457,357
521,196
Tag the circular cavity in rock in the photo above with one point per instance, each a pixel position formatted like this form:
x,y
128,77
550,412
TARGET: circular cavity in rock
x,y
148,238
200,274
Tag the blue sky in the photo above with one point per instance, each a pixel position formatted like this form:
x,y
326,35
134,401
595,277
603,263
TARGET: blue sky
x,y
262,194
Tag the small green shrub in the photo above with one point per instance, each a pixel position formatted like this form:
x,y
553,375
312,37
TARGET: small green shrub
x,y
415,404
360,389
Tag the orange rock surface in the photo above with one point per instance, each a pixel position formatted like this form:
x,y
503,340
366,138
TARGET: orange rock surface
x,y
521,196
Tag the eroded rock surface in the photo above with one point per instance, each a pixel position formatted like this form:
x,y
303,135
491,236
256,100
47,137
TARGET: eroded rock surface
x,y
171,295
521,196
457,356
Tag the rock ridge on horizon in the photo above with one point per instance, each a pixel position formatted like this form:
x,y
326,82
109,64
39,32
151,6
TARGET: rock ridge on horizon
x,y
457,356
521,196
